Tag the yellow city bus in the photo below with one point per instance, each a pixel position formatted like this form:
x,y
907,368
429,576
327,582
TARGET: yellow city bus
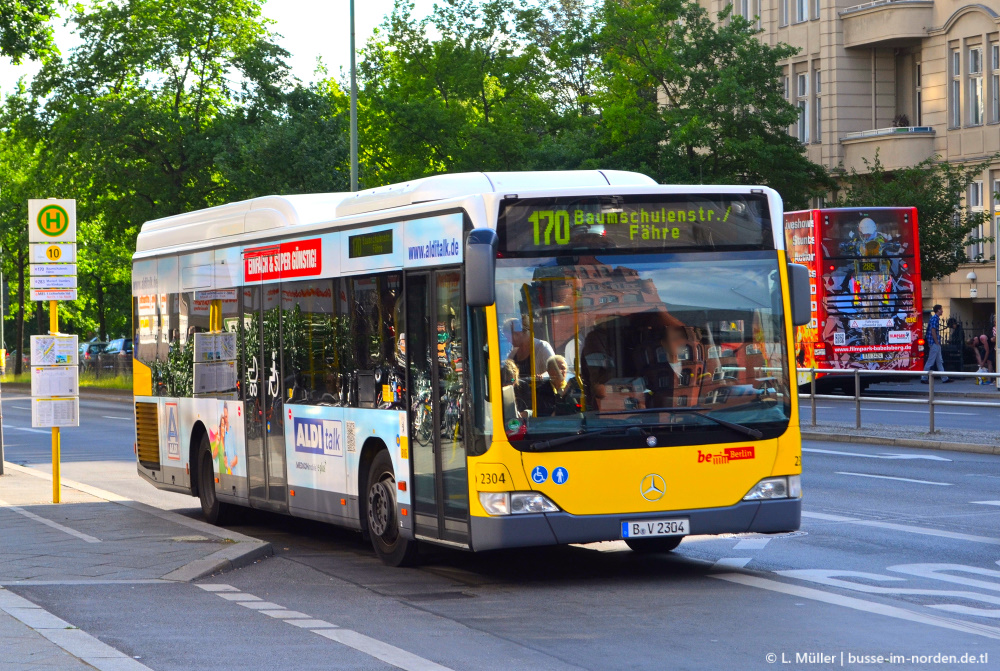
x,y
482,360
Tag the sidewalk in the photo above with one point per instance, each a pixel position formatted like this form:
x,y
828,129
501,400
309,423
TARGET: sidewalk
x,y
92,537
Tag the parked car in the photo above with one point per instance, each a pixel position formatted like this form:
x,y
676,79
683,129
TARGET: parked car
x,y
116,356
89,352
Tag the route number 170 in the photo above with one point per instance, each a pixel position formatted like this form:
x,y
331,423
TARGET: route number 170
x,y
553,222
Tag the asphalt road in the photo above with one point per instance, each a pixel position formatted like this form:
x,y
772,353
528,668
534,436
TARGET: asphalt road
x,y
898,554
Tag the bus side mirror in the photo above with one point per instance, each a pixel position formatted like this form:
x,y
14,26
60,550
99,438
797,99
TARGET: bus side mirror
x,y
480,267
798,285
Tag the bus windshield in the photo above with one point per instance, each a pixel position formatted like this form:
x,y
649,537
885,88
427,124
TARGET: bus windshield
x,y
591,343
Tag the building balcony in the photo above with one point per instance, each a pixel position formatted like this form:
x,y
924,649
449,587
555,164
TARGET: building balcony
x,y
896,147
887,23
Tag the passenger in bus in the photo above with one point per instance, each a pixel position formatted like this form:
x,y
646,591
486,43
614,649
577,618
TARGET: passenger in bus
x,y
511,391
522,352
558,395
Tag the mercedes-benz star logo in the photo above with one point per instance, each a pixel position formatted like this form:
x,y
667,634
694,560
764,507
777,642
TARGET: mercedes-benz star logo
x,y
652,487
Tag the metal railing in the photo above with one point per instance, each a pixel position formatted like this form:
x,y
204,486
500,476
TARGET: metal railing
x,y
892,130
931,401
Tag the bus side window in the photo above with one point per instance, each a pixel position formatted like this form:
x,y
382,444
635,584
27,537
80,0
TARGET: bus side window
x,y
307,332
481,413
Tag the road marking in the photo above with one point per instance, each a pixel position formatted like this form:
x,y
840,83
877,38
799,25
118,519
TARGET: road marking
x,y
752,544
904,527
889,477
55,525
859,604
730,563
389,654
73,641
24,428
95,581
847,580
128,419
928,457
987,503
373,647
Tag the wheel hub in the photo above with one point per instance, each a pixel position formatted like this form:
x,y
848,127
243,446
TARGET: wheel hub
x,y
380,506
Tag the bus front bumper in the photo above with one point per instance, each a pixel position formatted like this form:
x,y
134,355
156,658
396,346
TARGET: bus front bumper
x,y
510,531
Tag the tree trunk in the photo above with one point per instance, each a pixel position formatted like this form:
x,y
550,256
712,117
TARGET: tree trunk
x,y
101,318
19,323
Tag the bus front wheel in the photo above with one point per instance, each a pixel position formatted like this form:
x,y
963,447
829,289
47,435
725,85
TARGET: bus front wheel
x,y
652,545
381,519
215,511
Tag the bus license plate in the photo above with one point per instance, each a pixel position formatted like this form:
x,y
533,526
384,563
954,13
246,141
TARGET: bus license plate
x,y
649,528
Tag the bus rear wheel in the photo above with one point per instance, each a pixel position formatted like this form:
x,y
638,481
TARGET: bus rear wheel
x,y
215,511
654,545
381,519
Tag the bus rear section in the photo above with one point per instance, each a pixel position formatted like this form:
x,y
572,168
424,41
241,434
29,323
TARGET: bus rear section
x,y
644,388
864,266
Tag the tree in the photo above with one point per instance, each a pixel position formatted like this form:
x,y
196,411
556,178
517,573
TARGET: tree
x,y
469,99
937,190
24,29
690,99
299,147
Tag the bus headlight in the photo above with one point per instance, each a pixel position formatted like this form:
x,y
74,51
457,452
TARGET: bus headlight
x,y
785,487
516,503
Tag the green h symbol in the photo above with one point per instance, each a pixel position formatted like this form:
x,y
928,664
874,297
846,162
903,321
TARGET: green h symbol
x,y
53,220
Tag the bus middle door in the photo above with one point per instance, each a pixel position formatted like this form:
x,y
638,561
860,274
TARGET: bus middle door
x,y
436,359
264,390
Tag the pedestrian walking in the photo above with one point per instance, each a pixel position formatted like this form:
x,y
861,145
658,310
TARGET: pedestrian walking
x,y
933,338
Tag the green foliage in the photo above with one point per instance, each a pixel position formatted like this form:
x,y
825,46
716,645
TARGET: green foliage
x,y
937,191
689,98
24,29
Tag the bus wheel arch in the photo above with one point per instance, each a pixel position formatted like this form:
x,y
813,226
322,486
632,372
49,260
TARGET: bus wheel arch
x,y
194,444
378,508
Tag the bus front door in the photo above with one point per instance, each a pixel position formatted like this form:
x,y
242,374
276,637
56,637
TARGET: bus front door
x,y
436,359
265,438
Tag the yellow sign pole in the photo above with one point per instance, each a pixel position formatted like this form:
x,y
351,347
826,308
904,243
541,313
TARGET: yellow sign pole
x,y
56,457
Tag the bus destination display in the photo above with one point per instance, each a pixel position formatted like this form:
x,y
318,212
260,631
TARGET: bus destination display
x,y
634,223
370,244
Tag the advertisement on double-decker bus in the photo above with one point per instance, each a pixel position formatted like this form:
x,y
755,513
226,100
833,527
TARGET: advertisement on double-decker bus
x,y
864,268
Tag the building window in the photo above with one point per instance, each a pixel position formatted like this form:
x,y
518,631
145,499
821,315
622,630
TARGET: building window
x,y
801,10
783,20
918,99
956,89
815,9
975,202
995,82
976,86
818,84
802,91
784,86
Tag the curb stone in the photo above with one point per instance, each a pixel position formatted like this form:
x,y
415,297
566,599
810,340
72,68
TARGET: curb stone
x,y
245,550
902,442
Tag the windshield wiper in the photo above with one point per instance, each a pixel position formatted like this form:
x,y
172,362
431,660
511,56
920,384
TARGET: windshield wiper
x,y
700,412
556,442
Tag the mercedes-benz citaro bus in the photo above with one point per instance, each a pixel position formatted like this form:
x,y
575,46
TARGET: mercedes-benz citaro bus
x,y
483,360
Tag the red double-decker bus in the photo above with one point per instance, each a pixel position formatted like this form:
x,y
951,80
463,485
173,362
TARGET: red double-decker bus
x,y
864,266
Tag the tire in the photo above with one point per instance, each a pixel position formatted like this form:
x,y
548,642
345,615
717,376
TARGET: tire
x,y
654,545
380,516
215,511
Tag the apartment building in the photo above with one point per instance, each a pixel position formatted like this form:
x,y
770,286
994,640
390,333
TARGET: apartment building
x,y
910,79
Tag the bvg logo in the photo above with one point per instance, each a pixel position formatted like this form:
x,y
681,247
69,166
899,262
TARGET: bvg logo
x,y
318,436
727,455
53,220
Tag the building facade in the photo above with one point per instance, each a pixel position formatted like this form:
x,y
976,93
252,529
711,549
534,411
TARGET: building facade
x,y
910,79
